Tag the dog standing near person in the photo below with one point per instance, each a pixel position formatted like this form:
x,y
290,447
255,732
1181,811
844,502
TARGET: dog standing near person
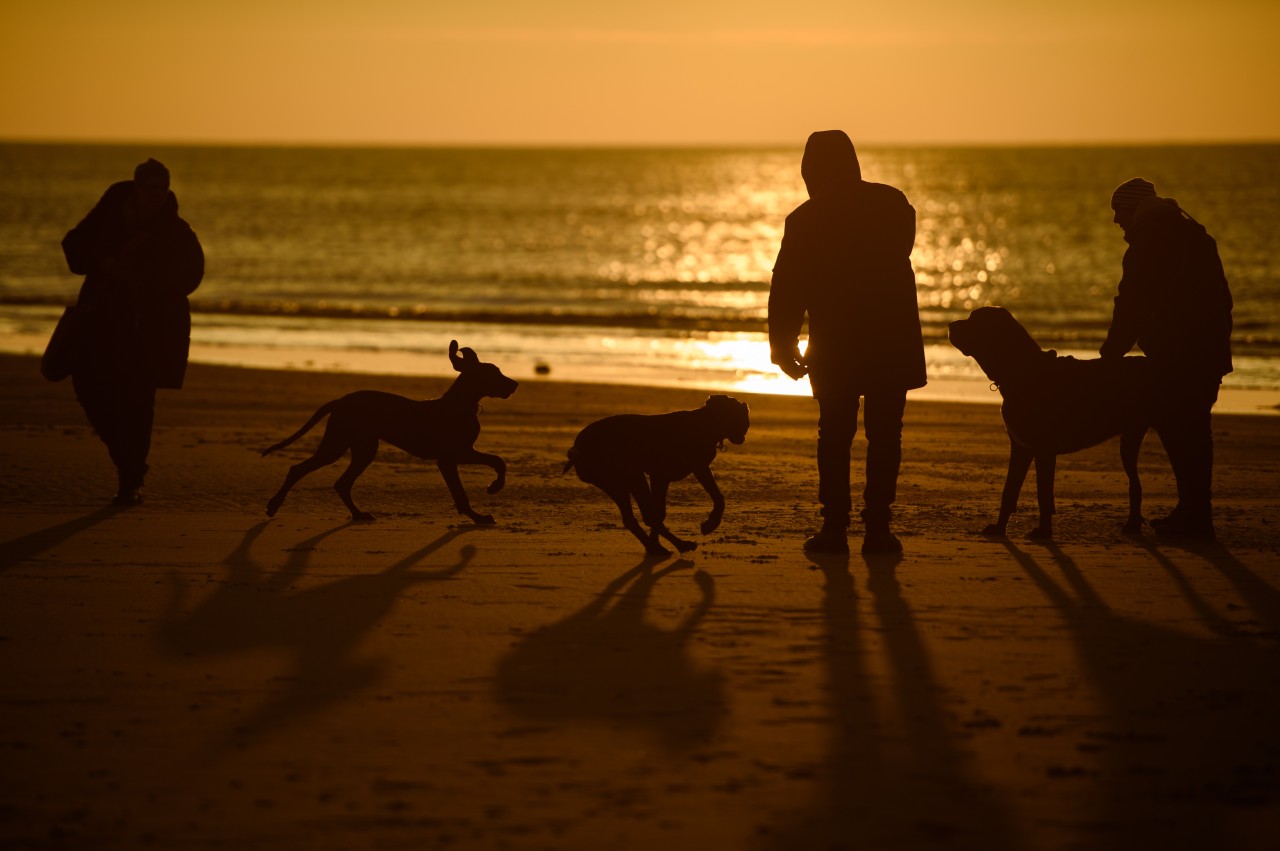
x,y
638,456
1055,405
443,429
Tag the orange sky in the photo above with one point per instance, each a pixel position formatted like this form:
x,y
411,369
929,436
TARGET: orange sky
x,y
684,72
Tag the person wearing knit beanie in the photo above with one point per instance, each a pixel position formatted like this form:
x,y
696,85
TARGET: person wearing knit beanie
x,y
1132,192
1174,302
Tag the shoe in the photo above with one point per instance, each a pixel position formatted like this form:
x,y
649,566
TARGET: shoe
x,y
828,541
1173,517
127,496
880,541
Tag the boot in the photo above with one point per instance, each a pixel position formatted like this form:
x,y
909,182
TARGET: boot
x,y
1187,524
877,539
832,538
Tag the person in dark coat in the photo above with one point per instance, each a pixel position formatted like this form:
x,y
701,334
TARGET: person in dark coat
x,y
140,261
845,262
1174,302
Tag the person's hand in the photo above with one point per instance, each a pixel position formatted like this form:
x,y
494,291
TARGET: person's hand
x,y
792,363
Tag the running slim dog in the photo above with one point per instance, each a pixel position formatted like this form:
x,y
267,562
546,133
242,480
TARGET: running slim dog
x,y
443,429
1054,405
634,455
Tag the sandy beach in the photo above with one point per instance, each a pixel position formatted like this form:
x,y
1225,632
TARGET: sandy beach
x,y
190,674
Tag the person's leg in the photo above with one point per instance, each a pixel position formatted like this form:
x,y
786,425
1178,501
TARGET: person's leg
x,y
837,424
1186,433
136,416
883,420
96,395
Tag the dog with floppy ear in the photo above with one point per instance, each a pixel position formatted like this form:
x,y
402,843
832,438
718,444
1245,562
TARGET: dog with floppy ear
x,y
443,429
637,456
1055,405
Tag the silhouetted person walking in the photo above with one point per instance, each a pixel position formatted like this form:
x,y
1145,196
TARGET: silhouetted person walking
x,y
845,261
140,261
1174,302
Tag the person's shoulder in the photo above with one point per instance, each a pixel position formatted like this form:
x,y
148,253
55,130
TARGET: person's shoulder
x,y
802,213
116,194
882,192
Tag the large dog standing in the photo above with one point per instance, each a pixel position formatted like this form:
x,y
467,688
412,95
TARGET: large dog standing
x,y
443,429
1054,405
637,456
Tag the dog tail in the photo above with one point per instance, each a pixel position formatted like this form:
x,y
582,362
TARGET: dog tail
x,y
321,413
568,465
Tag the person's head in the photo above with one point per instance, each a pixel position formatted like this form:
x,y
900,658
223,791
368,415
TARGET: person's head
x,y
1126,198
150,185
829,163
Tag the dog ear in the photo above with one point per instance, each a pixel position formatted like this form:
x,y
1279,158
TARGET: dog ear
x,y
453,355
469,357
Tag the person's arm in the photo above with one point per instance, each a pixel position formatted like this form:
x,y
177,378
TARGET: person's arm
x,y
82,246
1126,315
787,307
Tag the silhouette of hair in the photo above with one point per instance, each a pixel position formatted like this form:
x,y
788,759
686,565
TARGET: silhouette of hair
x,y
830,163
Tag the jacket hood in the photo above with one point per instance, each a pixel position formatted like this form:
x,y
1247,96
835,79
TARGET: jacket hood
x,y
830,163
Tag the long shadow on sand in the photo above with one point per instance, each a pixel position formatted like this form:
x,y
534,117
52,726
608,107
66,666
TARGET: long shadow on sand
x,y
34,543
1187,745
319,627
607,665
896,774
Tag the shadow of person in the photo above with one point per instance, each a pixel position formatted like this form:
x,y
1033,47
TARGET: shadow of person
x,y
607,664
895,773
34,543
1187,722
320,627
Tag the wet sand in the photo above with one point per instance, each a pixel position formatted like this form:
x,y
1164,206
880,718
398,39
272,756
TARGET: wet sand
x,y
190,674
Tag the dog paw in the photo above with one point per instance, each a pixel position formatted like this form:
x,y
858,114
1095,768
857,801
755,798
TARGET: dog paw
x,y
1040,533
484,520
994,530
710,525
686,546
496,486
656,551
1133,527
362,517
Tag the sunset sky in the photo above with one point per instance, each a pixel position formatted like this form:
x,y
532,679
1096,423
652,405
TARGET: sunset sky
x,y
665,72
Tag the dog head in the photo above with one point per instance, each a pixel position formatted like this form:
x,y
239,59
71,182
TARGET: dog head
x,y
996,340
732,418
482,379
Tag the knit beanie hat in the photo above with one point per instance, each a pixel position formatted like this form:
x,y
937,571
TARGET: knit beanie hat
x,y
152,169
1132,192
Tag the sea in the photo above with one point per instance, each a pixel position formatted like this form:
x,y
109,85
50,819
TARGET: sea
x,y
641,266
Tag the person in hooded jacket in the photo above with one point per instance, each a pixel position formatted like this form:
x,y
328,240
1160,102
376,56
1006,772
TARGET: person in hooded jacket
x,y
1174,302
845,263
140,261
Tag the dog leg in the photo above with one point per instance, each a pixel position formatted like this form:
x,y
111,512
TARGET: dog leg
x,y
620,493
493,462
449,469
656,515
362,455
708,482
1046,463
1019,462
328,452
1130,444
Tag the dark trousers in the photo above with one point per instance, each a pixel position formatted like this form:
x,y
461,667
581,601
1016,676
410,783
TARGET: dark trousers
x,y
121,408
1183,423
837,425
